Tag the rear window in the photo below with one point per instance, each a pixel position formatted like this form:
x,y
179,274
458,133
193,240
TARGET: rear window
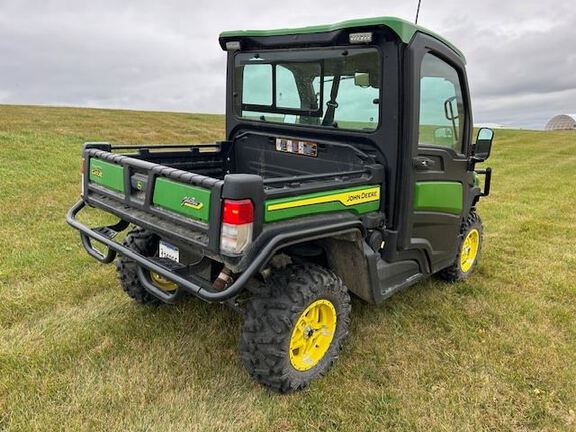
x,y
330,88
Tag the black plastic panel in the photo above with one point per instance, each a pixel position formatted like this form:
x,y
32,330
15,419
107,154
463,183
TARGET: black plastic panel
x,y
257,154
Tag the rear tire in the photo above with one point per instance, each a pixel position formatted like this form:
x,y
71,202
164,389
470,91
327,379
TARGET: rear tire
x,y
145,243
469,249
294,327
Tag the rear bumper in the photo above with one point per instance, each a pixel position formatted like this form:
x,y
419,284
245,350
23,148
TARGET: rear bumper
x,y
258,256
198,287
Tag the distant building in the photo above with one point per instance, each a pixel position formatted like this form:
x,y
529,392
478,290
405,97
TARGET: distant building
x,y
562,122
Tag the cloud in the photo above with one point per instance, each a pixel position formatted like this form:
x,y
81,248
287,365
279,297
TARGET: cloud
x,y
165,56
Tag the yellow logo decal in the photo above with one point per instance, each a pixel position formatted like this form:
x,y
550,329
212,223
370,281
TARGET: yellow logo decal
x,y
346,198
96,171
192,203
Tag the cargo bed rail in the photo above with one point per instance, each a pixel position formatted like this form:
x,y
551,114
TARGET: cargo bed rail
x,y
133,193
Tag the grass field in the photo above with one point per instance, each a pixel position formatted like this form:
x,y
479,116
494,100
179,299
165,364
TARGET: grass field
x,y
495,353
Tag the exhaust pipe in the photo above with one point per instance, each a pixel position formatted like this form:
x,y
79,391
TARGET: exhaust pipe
x,y
224,279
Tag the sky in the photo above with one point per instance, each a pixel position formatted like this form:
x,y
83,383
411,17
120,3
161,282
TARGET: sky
x,y
164,55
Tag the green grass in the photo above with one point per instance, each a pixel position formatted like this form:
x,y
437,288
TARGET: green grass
x,y
495,353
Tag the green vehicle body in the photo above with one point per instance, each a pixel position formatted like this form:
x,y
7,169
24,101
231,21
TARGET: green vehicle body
x,y
382,194
171,195
359,200
107,175
177,201
439,196
404,29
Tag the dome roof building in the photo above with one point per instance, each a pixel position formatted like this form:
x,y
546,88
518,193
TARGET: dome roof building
x,y
562,122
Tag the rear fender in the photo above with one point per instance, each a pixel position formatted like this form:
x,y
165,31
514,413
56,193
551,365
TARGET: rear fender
x,y
349,257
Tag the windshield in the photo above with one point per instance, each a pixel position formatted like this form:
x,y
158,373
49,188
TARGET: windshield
x,y
333,88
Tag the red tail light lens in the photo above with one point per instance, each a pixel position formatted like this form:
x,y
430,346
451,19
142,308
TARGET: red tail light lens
x,y
237,224
238,212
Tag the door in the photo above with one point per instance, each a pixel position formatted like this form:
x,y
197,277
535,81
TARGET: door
x,y
439,158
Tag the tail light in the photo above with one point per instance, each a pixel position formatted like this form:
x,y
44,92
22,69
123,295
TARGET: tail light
x,y
237,224
82,174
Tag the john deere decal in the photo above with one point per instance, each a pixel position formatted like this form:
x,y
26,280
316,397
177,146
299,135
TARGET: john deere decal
x,y
96,171
347,198
192,203
359,200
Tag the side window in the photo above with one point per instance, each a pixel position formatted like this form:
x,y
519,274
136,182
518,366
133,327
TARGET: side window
x,y
287,95
257,84
441,105
356,107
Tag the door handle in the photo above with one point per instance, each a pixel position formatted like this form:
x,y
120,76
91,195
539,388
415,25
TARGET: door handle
x,y
422,163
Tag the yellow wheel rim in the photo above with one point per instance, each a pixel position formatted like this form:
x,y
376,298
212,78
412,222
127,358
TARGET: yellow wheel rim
x,y
469,250
312,335
163,283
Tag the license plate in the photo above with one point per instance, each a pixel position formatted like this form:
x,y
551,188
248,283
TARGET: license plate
x,y
167,250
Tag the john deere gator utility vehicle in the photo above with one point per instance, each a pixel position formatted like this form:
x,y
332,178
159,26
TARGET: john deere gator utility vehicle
x,y
347,167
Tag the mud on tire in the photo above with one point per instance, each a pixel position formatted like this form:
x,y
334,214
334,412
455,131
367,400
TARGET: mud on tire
x,y
271,315
145,243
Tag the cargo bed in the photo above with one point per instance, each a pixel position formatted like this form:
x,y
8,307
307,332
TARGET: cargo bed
x,y
177,190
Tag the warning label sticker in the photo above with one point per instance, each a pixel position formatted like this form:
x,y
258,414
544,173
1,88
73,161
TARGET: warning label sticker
x,y
304,148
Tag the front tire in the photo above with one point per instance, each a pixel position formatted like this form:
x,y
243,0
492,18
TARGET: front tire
x,y
295,327
469,250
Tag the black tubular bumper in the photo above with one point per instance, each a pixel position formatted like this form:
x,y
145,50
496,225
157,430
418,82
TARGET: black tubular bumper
x,y
198,287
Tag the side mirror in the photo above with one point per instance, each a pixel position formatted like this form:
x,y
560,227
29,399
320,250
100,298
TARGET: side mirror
x,y
444,136
483,144
451,108
362,80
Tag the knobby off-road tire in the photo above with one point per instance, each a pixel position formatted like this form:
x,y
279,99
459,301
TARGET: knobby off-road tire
x,y
464,264
289,297
145,243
